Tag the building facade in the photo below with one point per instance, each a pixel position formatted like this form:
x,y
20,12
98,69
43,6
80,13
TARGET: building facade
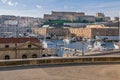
x,y
63,15
53,31
10,25
100,15
11,20
72,16
89,32
20,48
116,18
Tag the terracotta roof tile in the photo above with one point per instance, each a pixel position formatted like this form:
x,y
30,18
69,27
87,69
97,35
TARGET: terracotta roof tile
x,y
18,40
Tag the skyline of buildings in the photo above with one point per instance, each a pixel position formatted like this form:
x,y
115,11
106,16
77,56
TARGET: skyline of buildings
x,y
96,14
37,8
80,17
11,25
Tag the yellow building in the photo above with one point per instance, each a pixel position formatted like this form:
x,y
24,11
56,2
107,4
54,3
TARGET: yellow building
x,y
90,31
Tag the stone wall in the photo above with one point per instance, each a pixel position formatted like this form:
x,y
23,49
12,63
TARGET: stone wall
x,y
58,31
83,32
104,32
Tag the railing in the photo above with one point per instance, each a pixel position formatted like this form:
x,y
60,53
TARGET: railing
x,y
42,61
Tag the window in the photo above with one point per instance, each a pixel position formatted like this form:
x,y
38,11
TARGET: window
x,y
6,46
24,56
34,56
7,57
29,46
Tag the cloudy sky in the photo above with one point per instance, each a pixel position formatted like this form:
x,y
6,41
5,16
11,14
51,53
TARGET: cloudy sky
x,y
37,8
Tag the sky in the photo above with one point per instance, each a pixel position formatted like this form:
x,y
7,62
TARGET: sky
x,y
37,8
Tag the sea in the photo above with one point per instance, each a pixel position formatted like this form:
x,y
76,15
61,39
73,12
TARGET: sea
x,y
73,45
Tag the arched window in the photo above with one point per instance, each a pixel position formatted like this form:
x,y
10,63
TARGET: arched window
x,y
44,55
24,56
7,57
34,56
29,46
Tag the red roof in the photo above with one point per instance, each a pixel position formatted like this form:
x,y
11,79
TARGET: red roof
x,y
18,40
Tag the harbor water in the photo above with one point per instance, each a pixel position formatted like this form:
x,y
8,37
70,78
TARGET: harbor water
x,y
59,43
74,45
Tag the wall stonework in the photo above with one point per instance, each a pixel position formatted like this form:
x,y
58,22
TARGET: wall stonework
x,y
83,32
10,53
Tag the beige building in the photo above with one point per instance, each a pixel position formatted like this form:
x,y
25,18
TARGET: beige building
x,y
20,48
93,32
72,16
90,31
53,31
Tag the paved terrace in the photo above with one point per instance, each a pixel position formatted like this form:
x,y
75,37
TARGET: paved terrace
x,y
73,72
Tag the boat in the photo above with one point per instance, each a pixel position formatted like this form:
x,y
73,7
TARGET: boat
x,y
44,44
98,45
115,45
67,41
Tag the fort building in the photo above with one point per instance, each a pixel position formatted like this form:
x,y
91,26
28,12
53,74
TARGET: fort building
x,y
89,31
72,16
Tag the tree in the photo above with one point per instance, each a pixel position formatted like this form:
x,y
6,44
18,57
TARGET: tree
x,y
56,22
100,19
